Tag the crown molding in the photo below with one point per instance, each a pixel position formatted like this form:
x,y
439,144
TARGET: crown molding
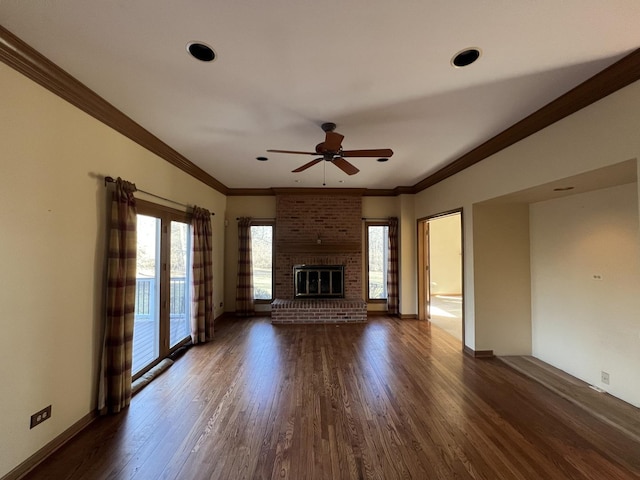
x,y
618,75
24,59
35,66
255,192
388,192
367,192
250,192
356,192
379,192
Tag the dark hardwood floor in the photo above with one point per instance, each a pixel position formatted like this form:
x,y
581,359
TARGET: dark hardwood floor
x,y
385,400
609,409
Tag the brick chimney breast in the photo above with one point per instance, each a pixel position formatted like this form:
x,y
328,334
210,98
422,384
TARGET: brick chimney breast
x,y
319,230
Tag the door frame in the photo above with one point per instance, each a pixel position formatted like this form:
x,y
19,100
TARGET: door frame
x,y
424,293
424,277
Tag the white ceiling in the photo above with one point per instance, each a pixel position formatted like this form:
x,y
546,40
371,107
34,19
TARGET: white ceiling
x,y
379,69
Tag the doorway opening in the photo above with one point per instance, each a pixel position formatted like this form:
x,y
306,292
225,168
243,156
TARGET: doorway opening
x,y
440,272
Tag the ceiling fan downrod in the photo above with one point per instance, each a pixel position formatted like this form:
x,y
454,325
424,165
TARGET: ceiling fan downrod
x,y
324,174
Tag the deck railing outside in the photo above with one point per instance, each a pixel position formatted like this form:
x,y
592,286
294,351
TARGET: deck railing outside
x,y
146,328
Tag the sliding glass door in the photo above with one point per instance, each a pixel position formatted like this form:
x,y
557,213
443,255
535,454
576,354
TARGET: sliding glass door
x,y
163,299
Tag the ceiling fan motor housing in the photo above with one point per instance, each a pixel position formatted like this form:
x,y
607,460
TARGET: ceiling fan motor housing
x,y
321,150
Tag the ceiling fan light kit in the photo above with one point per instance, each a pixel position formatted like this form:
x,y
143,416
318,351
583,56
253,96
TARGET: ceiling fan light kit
x,y
331,151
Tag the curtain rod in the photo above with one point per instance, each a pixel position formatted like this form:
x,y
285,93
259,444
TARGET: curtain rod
x,y
376,219
111,180
260,219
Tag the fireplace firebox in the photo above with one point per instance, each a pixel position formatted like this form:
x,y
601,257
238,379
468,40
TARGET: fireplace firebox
x,y
318,281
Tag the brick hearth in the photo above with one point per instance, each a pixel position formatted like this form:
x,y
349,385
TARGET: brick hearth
x,y
318,310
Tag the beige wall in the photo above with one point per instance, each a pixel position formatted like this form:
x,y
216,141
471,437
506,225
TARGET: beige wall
x,y
445,255
502,278
408,272
604,133
52,251
380,207
581,324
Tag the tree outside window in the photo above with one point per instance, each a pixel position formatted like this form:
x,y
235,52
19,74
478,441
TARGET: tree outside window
x,y
262,261
377,261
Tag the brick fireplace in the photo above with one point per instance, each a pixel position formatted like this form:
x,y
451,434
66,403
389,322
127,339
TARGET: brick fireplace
x,y
318,281
314,229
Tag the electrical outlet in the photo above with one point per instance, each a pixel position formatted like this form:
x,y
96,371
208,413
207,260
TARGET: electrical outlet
x,y
597,276
604,376
39,417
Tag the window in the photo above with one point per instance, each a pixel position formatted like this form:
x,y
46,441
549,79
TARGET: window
x,y
262,261
377,261
162,304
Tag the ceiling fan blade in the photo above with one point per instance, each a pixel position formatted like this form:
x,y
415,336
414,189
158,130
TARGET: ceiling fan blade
x,y
380,153
307,165
293,151
345,166
333,141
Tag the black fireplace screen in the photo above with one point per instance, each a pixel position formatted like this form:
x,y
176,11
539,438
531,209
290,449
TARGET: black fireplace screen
x,y
316,281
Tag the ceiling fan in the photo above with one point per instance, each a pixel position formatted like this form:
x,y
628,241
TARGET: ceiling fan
x,y
331,151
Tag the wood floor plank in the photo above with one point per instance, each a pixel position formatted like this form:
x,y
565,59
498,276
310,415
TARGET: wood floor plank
x,y
383,400
610,409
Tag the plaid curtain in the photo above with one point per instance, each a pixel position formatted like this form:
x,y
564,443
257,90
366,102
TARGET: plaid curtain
x,y
115,385
201,277
392,269
244,287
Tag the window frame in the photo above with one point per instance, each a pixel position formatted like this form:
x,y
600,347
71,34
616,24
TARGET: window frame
x,y
366,236
166,216
272,224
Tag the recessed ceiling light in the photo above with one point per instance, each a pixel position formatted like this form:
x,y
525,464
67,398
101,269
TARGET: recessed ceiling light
x,y
262,159
465,57
383,160
201,51
563,189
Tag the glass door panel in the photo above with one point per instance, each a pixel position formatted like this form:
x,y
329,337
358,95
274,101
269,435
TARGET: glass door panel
x,y
325,282
146,331
314,283
179,292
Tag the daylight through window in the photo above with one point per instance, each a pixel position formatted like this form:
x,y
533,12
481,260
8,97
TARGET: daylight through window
x,y
262,261
162,303
377,261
